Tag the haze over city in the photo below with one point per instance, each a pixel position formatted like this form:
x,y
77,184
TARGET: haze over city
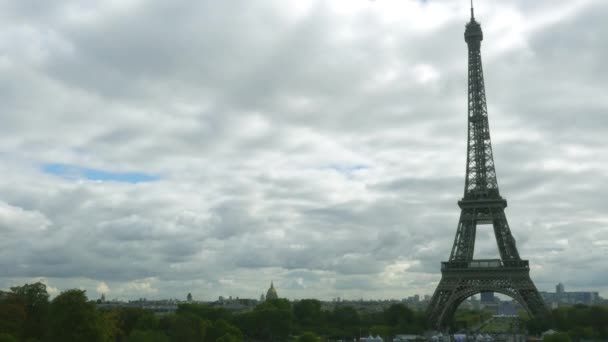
x,y
153,149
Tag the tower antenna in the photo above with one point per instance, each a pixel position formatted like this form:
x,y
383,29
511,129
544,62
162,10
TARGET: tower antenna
x,y
472,13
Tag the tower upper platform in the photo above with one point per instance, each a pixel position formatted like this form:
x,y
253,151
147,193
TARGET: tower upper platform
x,y
473,31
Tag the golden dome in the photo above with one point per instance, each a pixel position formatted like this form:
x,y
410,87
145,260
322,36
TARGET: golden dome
x,y
271,293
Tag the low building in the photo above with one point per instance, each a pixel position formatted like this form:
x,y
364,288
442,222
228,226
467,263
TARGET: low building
x,y
563,297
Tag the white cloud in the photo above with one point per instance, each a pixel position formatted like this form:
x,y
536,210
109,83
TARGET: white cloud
x,y
143,286
14,219
103,288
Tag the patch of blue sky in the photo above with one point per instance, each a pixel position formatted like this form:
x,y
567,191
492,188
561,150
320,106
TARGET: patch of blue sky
x,y
78,172
348,169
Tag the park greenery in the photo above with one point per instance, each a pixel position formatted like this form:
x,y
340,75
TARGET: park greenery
x,y
578,322
28,314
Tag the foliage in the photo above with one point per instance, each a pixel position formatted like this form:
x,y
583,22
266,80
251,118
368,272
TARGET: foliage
x,y
307,312
35,294
268,321
468,319
579,321
73,318
4,337
345,316
165,324
221,329
12,315
382,330
130,319
281,304
27,315
110,325
188,327
308,337
398,314
147,336
35,299
205,312
557,337
403,319
229,338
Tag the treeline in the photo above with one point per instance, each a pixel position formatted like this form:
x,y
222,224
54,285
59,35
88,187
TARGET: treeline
x,y
26,314
578,322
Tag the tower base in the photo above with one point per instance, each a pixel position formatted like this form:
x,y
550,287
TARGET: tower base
x,y
460,280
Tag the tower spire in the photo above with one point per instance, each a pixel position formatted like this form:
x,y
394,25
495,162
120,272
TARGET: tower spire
x,y
472,11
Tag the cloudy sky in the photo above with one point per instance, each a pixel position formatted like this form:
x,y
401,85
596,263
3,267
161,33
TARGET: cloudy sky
x,y
155,148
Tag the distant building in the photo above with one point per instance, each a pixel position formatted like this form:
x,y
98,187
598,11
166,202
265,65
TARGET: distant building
x,y
487,297
236,304
417,302
159,307
563,297
189,297
508,308
408,338
271,293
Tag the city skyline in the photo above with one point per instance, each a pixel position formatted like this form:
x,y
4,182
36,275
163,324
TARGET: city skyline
x,y
319,145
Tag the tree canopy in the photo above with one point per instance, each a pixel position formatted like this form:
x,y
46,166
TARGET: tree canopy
x,y
27,315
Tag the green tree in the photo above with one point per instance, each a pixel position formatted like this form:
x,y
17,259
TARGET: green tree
x,y
345,321
276,303
73,318
36,302
274,323
147,336
599,320
205,312
539,325
580,332
147,321
346,316
398,315
110,325
557,337
4,337
12,315
308,337
188,327
271,320
166,323
307,312
134,318
381,330
221,328
228,338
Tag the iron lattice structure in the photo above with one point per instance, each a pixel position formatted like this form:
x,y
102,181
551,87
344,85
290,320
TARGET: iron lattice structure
x,y
462,276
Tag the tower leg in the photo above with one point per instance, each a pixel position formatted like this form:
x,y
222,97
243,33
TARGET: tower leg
x,y
504,239
464,242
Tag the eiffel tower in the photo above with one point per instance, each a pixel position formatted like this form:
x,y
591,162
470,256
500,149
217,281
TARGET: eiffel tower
x,y
462,276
